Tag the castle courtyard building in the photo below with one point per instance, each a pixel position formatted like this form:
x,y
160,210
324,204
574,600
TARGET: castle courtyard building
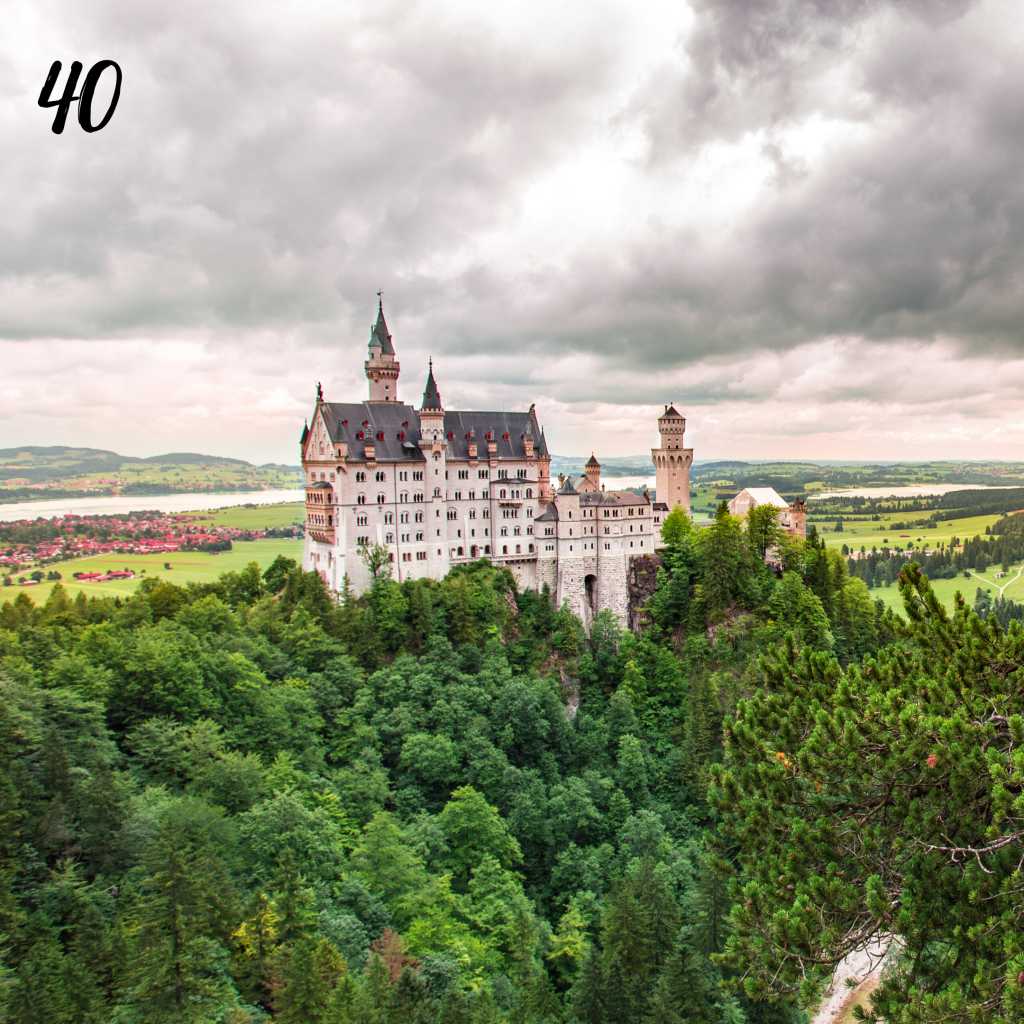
x,y
439,488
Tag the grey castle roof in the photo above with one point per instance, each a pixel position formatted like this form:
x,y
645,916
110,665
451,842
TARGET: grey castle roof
x,y
345,421
379,335
613,498
671,414
567,487
550,515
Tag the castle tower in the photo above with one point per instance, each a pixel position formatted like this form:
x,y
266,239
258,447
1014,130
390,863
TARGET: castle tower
x,y
433,444
592,471
672,461
382,368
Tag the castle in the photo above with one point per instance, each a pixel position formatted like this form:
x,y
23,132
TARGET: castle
x,y
439,488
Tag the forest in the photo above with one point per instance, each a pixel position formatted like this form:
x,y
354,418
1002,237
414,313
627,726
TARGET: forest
x,y
444,802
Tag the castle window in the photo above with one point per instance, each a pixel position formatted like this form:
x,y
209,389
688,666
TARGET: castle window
x,y
529,492
607,547
404,517
401,435
519,547
389,538
360,478
472,513
451,436
380,499
487,549
389,517
501,493
529,513
360,436
530,549
486,512
529,530
421,556
380,477
516,531
641,543
417,474
484,494
460,552
406,556
606,513
615,513
437,492
419,536
482,474
452,514
419,517
417,497
504,437
361,520
458,495
463,474
504,531
504,549
607,529
380,435
332,477
403,496
360,499
472,495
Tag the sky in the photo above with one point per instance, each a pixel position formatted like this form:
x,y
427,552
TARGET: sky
x,y
799,221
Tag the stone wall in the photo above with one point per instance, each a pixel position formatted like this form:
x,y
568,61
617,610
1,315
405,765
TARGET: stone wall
x,y
641,577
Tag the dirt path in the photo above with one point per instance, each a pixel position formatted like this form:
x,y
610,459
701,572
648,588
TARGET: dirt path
x,y
863,967
993,582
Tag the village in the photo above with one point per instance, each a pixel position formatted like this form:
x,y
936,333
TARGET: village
x,y
26,546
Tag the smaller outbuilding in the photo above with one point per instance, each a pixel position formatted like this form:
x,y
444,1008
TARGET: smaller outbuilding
x,y
792,518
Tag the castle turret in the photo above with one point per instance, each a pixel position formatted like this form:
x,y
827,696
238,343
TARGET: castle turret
x,y
592,471
672,461
382,368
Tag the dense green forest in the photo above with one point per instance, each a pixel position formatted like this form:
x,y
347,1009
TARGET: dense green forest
x,y
444,802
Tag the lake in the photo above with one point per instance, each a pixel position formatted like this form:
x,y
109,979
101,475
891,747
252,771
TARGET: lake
x,y
910,491
158,502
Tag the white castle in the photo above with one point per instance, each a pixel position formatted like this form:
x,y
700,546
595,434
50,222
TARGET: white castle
x,y
440,488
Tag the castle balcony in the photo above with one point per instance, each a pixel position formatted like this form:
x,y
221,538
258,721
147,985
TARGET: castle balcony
x,y
321,534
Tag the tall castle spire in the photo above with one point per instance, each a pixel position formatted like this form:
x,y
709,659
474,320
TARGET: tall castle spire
x,y
382,368
431,396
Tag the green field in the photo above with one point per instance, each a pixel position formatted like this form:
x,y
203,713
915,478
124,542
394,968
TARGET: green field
x,y
257,517
185,565
869,535
945,590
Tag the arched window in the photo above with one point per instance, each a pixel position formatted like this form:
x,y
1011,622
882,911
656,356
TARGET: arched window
x,y
519,549
529,492
380,499
390,538
531,549
360,499
487,549
460,552
504,549
501,493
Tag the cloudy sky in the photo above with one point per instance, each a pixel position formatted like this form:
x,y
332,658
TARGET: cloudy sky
x,y
800,220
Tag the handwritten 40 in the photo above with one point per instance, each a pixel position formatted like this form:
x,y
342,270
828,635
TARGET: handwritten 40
x,y
84,98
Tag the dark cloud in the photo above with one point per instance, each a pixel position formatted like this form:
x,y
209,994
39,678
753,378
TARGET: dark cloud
x,y
268,169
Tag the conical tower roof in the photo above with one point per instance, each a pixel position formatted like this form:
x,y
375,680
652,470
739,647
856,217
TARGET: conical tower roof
x,y
379,335
431,397
593,462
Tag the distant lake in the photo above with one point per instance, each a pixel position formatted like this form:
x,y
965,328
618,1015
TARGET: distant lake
x,y
157,503
915,491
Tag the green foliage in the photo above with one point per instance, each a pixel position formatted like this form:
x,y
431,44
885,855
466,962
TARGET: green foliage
x,y
436,801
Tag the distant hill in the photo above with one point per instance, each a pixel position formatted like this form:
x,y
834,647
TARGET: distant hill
x,y
35,472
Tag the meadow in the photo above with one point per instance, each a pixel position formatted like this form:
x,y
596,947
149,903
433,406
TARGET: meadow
x,y
200,566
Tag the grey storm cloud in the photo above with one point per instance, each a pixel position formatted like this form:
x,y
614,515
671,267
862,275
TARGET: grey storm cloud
x,y
267,172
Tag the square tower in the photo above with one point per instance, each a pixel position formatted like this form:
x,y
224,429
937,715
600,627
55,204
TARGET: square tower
x,y
672,461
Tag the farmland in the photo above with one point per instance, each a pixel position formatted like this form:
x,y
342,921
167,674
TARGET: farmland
x,y
203,567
